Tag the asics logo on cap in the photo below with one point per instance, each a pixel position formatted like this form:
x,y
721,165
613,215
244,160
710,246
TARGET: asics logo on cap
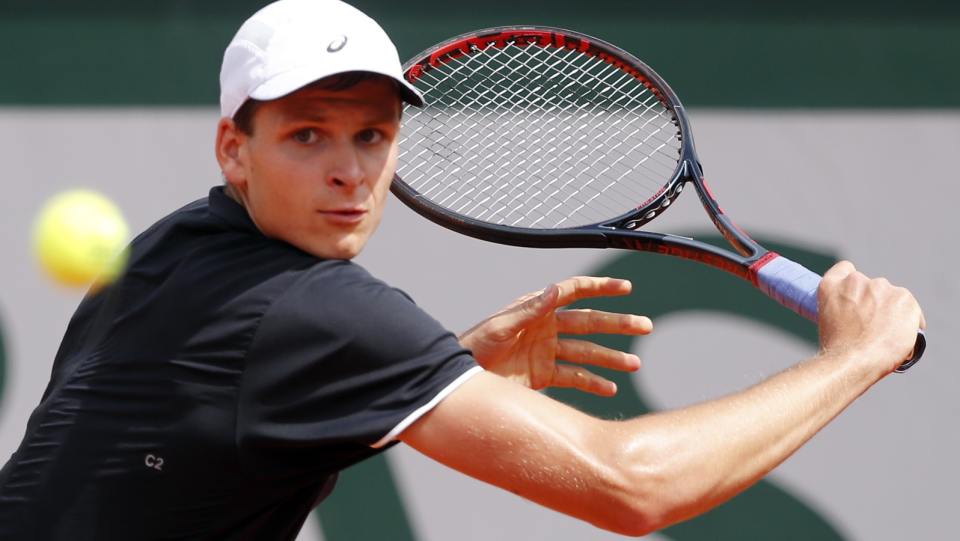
x,y
337,44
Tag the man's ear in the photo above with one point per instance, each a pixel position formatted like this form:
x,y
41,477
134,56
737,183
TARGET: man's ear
x,y
229,144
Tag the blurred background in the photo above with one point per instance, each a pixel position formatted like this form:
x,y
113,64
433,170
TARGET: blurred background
x,y
828,128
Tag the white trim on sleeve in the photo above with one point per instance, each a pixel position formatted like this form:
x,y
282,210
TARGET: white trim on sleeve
x,y
422,410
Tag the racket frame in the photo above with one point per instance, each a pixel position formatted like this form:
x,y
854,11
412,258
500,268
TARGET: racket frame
x,y
620,232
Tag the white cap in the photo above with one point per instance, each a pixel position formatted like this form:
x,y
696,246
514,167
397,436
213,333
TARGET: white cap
x,y
292,43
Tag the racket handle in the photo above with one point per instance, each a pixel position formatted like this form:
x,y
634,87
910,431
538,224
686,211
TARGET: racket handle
x,y
794,286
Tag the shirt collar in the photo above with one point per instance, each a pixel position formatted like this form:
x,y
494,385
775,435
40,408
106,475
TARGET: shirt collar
x,y
225,208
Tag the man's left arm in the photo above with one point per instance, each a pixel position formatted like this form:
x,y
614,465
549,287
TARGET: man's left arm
x,y
643,474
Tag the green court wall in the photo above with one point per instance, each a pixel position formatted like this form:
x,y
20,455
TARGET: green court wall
x,y
874,54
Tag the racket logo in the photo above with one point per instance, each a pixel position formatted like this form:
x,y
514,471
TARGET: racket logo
x,y
337,44
652,199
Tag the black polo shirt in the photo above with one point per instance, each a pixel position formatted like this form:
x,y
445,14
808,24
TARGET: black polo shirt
x,y
216,389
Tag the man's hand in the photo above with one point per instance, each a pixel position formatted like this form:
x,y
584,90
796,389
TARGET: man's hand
x,y
867,316
522,343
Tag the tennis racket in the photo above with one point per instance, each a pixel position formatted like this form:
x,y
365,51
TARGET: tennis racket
x,y
547,138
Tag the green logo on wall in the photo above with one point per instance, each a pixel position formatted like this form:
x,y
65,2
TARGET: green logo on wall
x,y
663,285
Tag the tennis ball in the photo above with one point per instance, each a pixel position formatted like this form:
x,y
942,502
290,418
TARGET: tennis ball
x,y
79,238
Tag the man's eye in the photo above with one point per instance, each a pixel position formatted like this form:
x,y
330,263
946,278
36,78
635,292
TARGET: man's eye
x,y
370,136
305,136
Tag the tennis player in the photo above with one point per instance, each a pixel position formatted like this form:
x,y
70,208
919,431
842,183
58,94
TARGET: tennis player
x,y
242,361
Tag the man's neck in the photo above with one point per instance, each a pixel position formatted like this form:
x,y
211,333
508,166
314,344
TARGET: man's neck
x,y
232,193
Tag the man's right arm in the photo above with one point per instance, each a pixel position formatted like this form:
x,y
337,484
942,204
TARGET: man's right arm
x,y
640,475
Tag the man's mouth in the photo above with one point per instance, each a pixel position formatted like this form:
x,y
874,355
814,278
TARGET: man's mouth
x,y
346,215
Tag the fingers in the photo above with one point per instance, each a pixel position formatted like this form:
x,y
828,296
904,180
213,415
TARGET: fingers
x,y
582,352
840,271
584,287
566,375
576,288
595,321
859,313
535,306
505,324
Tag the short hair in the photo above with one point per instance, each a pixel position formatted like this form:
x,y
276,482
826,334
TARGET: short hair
x,y
243,118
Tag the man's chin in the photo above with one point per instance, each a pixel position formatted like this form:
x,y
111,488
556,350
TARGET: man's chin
x,y
347,249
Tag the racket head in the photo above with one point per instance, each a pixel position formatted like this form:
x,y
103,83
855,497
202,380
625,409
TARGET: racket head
x,y
533,134
544,137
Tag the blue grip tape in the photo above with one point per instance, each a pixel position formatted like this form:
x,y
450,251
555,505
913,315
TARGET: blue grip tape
x,y
792,285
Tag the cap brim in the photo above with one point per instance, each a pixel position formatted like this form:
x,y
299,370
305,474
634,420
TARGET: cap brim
x,y
410,94
293,80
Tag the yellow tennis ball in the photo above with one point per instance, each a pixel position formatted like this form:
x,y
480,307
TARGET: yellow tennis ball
x,y
79,237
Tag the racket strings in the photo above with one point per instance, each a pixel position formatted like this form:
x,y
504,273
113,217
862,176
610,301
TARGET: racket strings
x,y
594,107
515,122
527,107
537,137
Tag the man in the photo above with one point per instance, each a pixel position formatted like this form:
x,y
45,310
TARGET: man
x,y
242,361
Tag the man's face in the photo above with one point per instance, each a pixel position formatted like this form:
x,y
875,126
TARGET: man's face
x,y
316,171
